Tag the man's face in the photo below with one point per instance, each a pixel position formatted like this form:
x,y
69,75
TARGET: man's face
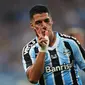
x,y
42,23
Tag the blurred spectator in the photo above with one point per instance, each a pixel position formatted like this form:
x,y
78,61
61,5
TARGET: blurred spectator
x,y
77,33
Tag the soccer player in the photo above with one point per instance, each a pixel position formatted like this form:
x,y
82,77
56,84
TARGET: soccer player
x,y
51,58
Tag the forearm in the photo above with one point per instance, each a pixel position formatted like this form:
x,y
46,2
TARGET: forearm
x,y
35,71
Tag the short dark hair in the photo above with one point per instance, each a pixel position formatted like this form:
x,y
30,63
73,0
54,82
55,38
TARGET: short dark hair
x,y
38,9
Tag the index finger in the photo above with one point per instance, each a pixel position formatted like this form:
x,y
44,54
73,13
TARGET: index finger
x,y
38,32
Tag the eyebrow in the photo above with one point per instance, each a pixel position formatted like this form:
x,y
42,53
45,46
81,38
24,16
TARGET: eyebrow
x,y
42,19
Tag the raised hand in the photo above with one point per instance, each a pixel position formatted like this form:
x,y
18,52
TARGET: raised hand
x,y
42,40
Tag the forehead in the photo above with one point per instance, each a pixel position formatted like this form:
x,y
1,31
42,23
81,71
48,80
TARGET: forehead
x,y
40,16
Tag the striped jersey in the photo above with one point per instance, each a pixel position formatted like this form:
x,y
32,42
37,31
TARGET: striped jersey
x,y
61,60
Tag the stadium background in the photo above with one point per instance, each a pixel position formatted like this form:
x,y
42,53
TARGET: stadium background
x,y
15,32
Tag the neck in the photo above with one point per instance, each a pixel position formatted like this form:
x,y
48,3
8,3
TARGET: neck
x,y
52,39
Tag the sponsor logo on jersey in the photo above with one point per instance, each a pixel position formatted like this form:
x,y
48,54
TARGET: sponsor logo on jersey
x,y
58,68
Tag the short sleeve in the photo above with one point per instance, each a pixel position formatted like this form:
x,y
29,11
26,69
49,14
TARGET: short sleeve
x,y
79,54
28,57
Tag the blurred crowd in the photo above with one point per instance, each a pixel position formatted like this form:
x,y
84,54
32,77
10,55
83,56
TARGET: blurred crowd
x,y
15,32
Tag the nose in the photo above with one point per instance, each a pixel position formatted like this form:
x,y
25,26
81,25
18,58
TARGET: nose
x,y
43,23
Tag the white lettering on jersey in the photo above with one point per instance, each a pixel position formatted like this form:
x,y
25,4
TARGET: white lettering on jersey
x,y
28,46
58,68
54,56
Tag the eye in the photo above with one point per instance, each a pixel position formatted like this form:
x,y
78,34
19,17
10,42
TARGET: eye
x,y
47,20
38,22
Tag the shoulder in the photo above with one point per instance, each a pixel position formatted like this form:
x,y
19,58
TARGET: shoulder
x,y
64,36
69,38
28,46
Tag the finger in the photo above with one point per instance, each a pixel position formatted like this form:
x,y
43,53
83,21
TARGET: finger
x,y
38,31
46,33
42,40
42,44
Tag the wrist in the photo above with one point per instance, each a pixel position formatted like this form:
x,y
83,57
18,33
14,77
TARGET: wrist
x,y
44,48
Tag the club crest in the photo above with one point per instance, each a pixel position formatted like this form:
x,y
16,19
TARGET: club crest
x,y
66,52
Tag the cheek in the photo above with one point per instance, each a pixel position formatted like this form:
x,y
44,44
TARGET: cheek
x,y
50,24
49,33
38,27
37,31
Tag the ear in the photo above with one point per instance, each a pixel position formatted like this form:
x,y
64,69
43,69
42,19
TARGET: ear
x,y
51,20
31,25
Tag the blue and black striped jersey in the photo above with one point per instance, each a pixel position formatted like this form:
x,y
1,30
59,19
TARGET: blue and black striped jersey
x,y
61,61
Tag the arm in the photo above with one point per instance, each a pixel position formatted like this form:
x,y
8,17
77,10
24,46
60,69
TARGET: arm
x,y
34,72
79,54
33,67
